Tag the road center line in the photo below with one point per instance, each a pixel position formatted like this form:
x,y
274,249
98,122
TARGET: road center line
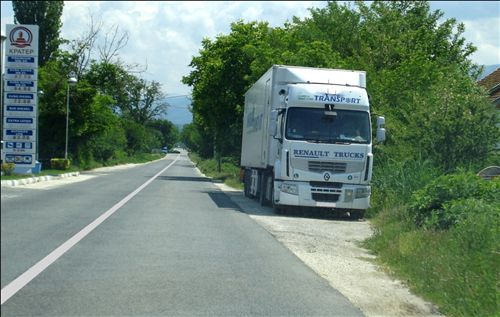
x,y
16,285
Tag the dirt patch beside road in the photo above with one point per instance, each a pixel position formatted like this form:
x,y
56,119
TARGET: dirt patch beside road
x,y
331,248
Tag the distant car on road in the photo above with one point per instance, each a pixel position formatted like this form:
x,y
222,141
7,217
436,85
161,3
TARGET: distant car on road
x,y
164,150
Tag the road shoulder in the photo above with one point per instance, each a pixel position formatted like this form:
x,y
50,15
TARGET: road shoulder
x,y
332,249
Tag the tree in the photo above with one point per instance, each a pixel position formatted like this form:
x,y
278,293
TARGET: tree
x,y
219,82
145,100
454,123
169,132
45,14
411,56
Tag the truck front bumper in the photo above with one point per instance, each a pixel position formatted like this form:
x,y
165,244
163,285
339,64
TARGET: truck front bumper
x,y
343,196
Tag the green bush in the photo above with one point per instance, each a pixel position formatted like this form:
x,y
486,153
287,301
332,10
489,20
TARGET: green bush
x,y
60,164
444,201
8,168
467,265
394,182
459,211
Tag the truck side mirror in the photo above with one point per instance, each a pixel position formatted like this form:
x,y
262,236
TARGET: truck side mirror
x,y
380,135
380,122
380,129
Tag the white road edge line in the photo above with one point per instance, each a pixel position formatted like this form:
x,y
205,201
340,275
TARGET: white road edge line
x,y
16,285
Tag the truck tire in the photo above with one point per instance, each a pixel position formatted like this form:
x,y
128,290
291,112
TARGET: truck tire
x,y
262,189
246,183
356,214
276,208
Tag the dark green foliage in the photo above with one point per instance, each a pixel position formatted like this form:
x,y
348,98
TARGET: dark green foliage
x,y
394,182
169,134
418,73
453,123
47,15
101,128
451,198
60,164
458,211
219,85
8,168
192,139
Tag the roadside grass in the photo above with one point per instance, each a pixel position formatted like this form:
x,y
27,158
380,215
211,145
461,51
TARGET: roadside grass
x,y
136,159
230,173
455,268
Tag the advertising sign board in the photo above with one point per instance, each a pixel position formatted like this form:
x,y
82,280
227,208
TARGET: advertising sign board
x,y
20,101
19,135
20,147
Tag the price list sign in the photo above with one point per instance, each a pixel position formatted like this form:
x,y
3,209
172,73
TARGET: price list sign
x,y
20,94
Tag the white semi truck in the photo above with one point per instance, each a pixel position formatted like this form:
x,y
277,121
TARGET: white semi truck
x,y
307,139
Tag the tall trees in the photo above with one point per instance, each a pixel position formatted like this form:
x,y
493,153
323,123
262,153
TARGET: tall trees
x,y
418,68
113,112
45,14
220,81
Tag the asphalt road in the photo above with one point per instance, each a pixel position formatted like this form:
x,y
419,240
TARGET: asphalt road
x,y
180,246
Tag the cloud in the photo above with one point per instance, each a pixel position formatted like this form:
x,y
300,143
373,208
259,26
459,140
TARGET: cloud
x,y
165,35
485,35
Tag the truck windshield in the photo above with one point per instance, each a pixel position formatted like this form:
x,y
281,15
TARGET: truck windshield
x,y
338,126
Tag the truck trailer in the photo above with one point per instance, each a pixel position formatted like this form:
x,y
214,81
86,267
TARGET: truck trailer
x,y
307,139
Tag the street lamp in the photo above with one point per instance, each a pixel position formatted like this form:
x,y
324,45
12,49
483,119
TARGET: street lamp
x,y
71,81
39,93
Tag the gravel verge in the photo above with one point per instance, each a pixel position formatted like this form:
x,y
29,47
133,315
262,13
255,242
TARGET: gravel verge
x,y
332,249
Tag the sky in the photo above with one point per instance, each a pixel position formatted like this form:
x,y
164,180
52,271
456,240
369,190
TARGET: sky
x,y
165,35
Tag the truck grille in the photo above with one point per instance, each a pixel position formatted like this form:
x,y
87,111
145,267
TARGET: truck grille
x,y
325,191
325,197
325,184
332,167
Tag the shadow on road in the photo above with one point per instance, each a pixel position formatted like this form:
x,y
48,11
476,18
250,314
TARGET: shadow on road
x,y
253,207
223,201
184,178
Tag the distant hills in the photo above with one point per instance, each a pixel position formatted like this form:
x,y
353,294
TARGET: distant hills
x,y
178,112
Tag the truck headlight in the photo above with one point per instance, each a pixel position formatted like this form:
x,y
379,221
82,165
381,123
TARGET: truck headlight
x,y
362,192
290,188
348,196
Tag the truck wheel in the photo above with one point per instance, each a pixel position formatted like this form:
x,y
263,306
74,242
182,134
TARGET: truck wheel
x,y
262,194
356,214
277,208
247,179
